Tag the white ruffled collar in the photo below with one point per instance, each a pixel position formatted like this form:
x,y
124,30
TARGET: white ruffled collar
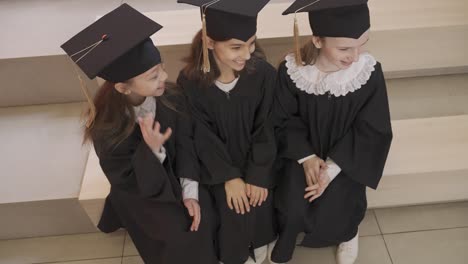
x,y
309,79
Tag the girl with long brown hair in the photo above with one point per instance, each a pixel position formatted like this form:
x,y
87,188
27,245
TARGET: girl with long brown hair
x,y
229,86
142,135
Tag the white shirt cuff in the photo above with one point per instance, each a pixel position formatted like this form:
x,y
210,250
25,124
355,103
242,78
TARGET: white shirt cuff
x,y
161,155
306,158
189,188
333,169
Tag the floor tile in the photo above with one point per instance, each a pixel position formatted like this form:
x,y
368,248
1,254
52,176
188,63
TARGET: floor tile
x,y
61,248
303,255
132,260
429,247
372,250
93,261
419,218
129,247
369,226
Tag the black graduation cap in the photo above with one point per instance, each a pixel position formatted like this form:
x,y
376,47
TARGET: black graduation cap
x,y
334,18
228,19
117,47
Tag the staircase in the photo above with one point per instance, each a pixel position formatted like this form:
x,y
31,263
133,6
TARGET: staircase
x,y
52,184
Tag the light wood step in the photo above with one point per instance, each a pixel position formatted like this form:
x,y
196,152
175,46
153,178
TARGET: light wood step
x,y
47,20
45,80
427,38
42,157
425,97
427,164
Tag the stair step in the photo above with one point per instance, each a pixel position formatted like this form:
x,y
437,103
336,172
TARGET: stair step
x,y
42,155
425,97
426,164
52,79
49,28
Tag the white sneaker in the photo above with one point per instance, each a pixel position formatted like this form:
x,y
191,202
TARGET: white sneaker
x,y
260,255
347,252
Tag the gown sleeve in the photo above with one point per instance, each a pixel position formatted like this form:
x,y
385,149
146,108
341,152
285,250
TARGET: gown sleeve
x,y
186,163
362,152
258,170
186,160
292,134
210,149
133,164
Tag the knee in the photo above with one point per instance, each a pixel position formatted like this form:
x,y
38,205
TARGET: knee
x,y
293,217
334,227
332,230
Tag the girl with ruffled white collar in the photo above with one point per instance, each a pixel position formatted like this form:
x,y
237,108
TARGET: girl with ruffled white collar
x,y
333,130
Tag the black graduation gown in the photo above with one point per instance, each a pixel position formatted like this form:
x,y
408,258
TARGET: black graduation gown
x,y
355,132
146,199
234,138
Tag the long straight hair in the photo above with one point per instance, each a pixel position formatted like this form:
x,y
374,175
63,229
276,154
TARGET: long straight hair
x,y
115,116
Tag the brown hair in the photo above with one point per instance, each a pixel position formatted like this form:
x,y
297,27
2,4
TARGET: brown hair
x,y
193,69
115,117
309,52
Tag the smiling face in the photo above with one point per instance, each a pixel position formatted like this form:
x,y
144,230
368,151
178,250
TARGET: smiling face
x,y
149,83
232,54
339,53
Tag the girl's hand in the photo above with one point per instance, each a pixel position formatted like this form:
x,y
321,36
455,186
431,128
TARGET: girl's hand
x,y
236,195
257,195
315,191
312,169
194,211
152,134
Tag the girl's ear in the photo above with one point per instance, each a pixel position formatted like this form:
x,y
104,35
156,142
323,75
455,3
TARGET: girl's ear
x,y
317,41
210,43
122,88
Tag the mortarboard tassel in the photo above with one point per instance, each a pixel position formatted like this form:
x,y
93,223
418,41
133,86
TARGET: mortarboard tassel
x,y
297,49
92,108
206,67
91,114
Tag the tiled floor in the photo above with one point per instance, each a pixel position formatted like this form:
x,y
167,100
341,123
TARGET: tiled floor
x,y
409,235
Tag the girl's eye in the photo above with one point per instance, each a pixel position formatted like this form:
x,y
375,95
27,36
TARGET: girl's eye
x,y
344,49
236,48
